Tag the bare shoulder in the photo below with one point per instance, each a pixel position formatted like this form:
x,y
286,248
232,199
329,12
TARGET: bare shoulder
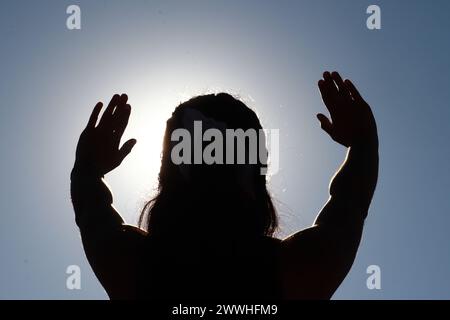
x,y
316,260
133,232
126,238
114,257
273,241
270,243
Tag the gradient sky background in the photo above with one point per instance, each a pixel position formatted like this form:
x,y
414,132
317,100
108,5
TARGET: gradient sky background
x,y
271,54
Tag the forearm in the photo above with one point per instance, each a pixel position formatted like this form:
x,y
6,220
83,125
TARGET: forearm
x,y
353,186
334,238
110,245
92,200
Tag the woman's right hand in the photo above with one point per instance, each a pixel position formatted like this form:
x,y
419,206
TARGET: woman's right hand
x,y
98,149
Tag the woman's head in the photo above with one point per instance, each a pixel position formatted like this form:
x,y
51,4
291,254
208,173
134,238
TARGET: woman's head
x,y
211,180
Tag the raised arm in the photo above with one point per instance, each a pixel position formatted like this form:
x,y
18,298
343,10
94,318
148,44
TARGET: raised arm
x,y
110,245
316,260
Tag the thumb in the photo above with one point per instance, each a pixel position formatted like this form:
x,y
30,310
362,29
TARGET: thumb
x,y
126,149
325,123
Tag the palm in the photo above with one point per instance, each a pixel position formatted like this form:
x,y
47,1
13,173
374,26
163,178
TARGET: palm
x,y
352,121
98,147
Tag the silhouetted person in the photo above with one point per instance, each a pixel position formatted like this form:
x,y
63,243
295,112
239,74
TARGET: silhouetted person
x,y
209,228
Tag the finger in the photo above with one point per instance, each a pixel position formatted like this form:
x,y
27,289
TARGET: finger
x,y
327,96
123,98
126,149
340,83
325,123
121,117
327,76
353,91
331,86
121,101
94,115
119,111
107,115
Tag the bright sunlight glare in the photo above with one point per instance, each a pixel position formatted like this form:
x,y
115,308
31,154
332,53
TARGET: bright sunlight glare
x,y
136,180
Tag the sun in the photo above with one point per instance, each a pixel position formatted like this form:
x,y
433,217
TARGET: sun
x,y
135,181
147,125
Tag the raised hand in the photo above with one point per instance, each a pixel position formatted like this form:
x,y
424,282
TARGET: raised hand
x,y
352,121
98,149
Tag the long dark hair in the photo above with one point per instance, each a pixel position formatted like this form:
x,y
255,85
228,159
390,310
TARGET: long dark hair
x,y
212,200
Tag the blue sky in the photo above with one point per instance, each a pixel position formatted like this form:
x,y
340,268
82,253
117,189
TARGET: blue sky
x,y
269,53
